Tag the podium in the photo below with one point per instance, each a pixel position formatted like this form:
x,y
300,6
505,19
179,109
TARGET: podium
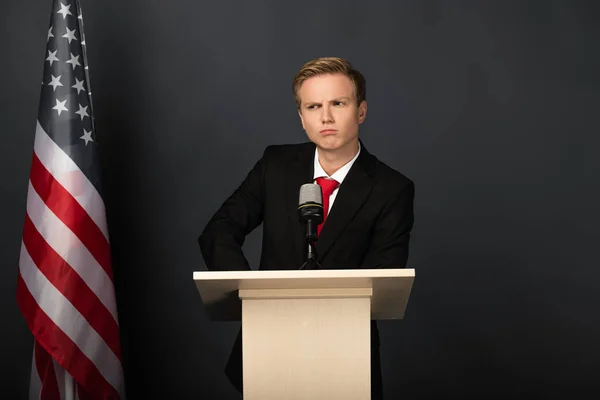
x,y
306,333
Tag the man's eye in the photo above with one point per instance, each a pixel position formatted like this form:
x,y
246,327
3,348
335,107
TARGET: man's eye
x,y
339,103
312,106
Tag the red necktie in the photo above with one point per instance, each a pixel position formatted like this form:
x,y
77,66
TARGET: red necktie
x,y
327,187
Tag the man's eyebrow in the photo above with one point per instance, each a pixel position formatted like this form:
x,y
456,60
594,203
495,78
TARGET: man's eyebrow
x,y
334,99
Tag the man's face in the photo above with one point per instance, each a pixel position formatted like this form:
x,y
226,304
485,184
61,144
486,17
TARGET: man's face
x,y
329,113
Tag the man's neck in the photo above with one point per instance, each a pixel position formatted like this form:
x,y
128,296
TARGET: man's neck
x,y
331,161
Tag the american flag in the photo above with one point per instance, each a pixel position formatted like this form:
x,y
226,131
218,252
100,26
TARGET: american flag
x,y
65,286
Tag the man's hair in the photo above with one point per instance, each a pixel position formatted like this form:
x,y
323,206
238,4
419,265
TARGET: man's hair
x,y
330,65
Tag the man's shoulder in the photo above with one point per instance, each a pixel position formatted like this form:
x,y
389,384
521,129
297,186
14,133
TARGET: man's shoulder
x,y
388,175
290,147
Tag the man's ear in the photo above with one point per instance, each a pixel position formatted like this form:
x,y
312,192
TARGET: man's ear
x,y
301,119
362,111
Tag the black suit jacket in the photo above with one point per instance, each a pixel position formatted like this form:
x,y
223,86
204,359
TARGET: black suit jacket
x,y
368,226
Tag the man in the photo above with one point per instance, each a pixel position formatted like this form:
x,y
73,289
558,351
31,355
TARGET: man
x,y
369,215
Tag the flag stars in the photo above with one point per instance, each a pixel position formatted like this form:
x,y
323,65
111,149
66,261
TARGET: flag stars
x,y
50,34
74,61
55,82
64,10
87,136
52,57
70,35
82,112
60,106
78,85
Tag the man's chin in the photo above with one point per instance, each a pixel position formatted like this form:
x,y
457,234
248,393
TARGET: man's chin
x,y
329,144
328,147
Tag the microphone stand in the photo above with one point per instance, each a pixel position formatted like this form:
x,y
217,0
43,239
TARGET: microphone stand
x,y
311,240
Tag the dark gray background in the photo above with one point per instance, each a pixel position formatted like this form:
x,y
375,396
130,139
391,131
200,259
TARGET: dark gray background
x,y
490,107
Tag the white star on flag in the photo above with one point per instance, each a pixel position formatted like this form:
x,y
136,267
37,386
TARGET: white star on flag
x,y
52,56
55,81
82,112
87,136
49,34
64,10
70,35
60,106
74,61
78,85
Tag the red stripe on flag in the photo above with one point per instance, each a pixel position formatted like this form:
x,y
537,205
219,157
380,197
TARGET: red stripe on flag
x,y
82,394
70,284
45,370
61,347
71,213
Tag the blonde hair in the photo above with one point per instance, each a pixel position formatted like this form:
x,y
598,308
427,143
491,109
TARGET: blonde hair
x,y
330,65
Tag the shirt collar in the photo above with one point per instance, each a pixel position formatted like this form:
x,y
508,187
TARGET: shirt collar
x,y
340,174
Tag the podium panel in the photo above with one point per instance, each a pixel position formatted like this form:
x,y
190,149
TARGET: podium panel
x,y
306,345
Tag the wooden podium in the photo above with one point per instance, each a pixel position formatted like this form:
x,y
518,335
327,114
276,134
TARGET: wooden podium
x,y
306,334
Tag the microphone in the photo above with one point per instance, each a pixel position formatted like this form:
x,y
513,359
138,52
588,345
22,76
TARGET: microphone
x,y
310,211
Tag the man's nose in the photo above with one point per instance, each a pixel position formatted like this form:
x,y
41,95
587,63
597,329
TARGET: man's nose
x,y
327,116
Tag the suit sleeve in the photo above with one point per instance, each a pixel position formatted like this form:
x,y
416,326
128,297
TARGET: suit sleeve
x,y
222,239
391,235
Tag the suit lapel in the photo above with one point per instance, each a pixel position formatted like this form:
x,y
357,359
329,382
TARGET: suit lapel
x,y
352,194
298,172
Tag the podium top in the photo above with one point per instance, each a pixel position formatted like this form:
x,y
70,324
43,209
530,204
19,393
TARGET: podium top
x,y
391,287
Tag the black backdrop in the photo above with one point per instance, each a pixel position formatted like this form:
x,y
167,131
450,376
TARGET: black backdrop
x,y
490,107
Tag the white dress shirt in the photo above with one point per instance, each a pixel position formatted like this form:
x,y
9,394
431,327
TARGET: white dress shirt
x,y
339,175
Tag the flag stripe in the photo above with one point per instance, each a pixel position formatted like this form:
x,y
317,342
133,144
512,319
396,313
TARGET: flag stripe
x,y
45,368
60,379
66,172
35,383
70,249
82,395
72,338
66,280
70,212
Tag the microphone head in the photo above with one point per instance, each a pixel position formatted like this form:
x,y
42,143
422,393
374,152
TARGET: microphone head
x,y
310,193
310,203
